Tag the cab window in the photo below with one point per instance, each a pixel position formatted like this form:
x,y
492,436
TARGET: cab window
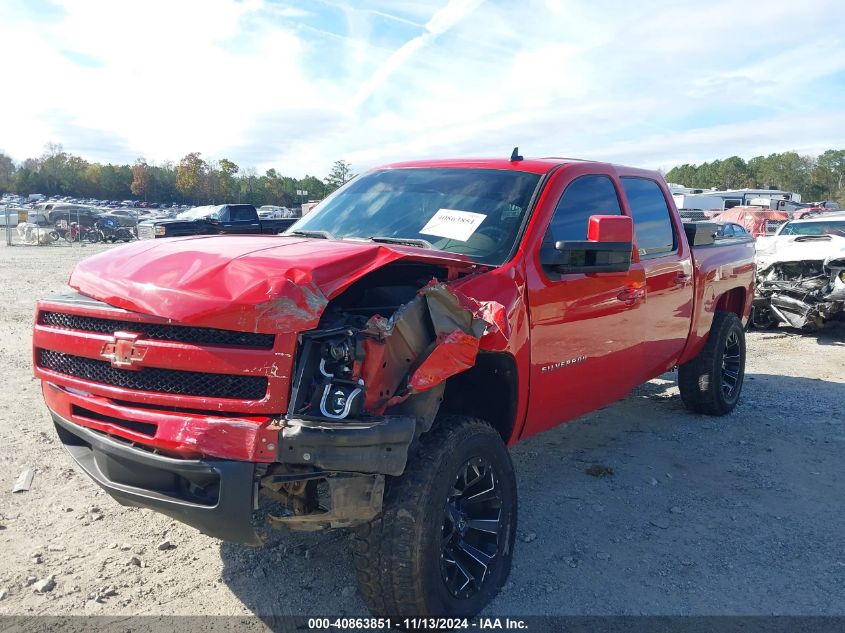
x,y
653,228
241,213
585,196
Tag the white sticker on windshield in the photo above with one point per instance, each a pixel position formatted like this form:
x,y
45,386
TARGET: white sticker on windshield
x,y
453,224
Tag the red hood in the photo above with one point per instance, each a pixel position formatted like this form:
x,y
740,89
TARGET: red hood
x,y
259,284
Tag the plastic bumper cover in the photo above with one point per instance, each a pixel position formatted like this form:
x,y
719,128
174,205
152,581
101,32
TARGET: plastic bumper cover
x,y
214,496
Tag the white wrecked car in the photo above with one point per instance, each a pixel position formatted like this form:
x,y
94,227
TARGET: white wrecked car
x,y
801,273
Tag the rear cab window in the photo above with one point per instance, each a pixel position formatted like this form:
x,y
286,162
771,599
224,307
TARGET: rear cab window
x,y
242,213
654,230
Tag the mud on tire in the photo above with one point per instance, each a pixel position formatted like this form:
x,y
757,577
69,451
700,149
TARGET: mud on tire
x,y
712,381
444,542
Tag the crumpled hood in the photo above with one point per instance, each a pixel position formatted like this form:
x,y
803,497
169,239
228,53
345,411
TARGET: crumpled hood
x,y
249,283
786,248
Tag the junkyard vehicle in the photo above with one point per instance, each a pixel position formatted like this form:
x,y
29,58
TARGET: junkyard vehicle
x,y
758,221
55,212
272,212
125,217
108,229
213,220
368,368
727,230
801,274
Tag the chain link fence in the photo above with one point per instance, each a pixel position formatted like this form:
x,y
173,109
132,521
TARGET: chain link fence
x,y
29,227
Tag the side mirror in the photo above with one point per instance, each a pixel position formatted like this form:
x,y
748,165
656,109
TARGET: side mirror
x,y
608,248
212,219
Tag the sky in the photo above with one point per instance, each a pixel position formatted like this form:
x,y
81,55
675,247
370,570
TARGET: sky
x,y
296,85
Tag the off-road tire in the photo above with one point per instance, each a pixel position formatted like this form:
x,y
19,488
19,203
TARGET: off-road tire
x,y
397,556
701,379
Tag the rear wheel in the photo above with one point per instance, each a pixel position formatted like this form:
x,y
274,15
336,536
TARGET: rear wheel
x,y
444,542
712,381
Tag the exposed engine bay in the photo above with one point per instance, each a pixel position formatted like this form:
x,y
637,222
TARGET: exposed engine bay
x,y
361,362
800,282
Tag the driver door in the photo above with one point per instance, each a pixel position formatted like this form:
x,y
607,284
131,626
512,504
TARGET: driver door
x,y
584,344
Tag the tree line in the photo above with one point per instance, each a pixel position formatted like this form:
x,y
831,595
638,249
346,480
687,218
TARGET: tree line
x,y
814,177
193,180
196,180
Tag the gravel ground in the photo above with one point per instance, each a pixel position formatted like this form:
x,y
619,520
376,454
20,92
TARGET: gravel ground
x,y
703,516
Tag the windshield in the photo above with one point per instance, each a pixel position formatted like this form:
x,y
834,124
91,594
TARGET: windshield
x,y
198,213
832,227
474,212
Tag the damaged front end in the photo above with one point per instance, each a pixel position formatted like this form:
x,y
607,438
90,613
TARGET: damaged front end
x,y
236,384
365,386
803,294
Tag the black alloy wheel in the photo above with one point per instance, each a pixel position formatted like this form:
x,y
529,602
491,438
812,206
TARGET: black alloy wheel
x,y
711,383
731,364
443,544
471,528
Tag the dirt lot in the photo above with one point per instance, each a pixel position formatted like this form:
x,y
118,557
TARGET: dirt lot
x,y
736,515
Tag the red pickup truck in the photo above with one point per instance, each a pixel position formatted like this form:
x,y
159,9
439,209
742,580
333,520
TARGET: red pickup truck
x,y
368,368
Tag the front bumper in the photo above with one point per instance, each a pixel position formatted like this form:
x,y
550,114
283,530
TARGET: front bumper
x,y
213,495
218,496
377,446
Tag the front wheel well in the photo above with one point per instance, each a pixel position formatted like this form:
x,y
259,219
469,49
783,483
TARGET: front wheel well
x,y
488,390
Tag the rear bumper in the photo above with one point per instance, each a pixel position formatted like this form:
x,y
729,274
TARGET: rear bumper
x,y
215,496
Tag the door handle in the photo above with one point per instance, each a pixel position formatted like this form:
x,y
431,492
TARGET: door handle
x,y
682,279
631,295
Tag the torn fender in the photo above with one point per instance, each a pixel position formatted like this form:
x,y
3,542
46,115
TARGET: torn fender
x,y
428,340
453,353
268,284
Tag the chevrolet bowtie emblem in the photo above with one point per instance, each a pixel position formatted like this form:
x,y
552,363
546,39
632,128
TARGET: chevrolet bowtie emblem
x,y
123,351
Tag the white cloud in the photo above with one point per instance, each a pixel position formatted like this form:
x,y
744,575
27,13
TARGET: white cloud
x,y
280,85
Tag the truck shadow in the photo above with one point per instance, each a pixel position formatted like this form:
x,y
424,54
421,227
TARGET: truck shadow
x,y
694,507
833,333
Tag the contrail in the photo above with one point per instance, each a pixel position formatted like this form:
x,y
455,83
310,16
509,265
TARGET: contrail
x,y
443,19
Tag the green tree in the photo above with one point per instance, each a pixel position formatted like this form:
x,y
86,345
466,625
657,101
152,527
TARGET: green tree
x,y
316,188
190,176
682,174
141,178
733,173
273,187
7,173
28,178
163,183
787,171
340,174
226,172
248,186
830,172
52,165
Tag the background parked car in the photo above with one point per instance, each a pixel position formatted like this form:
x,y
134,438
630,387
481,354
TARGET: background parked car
x,y
731,229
